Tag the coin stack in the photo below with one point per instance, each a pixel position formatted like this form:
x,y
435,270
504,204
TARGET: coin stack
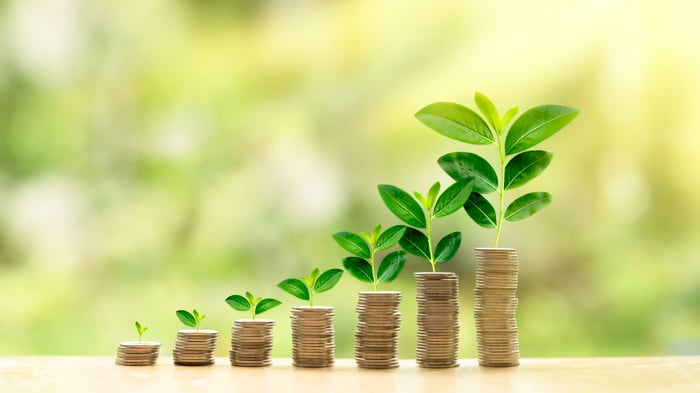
x,y
438,319
195,347
313,340
251,342
134,353
495,304
378,325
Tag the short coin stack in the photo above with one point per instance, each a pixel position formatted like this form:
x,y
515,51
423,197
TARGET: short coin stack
x,y
378,325
494,310
251,342
438,319
313,339
134,353
195,347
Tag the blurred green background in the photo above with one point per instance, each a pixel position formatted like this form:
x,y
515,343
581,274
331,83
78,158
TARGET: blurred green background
x,y
165,154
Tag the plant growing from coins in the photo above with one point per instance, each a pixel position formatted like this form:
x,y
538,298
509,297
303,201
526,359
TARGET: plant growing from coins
x,y
364,247
256,305
191,319
510,140
140,329
305,288
419,212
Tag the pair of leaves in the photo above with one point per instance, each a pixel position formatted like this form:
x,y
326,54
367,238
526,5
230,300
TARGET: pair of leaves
x,y
361,247
260,305
461,123
520,169
416,243
482,212
301,288
406,208
191,319
140,329
389,268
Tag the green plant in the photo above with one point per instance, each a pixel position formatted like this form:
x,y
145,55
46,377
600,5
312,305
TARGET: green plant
x,y
532,127
421,215
191,319
256,305
305,287
140,329
364,247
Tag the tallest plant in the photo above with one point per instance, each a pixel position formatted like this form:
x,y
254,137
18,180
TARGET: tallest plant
x,y
517,164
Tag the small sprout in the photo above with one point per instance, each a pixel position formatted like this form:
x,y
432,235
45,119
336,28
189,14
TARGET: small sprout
x,y
256,305
191,319
140,329
305,287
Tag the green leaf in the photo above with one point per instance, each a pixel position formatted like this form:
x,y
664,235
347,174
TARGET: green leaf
x,y
402,205
508,116
421,199
391,266
250,298
294,287
480,210
453,198
536,125
198,317
390,237
140,329
447,247
314,275
489,110
327,280
266,304
526,166
353,243
456,122
527,205
238,302
460,165
416,243
359,268
375,234
186,317
432,195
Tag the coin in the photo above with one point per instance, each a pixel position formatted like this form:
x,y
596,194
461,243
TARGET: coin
x,y
195,347
378,326
251,342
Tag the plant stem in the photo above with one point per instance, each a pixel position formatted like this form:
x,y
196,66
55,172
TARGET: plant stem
x,y
311,296
374,270
501,191
428,232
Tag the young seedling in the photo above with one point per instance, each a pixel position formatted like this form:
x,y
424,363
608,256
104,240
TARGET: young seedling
x,y
140,329
305,287
532,127
256,305
191,319
421,215
364,247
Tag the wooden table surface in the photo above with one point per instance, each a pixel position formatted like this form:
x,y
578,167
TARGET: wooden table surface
x,y
569,375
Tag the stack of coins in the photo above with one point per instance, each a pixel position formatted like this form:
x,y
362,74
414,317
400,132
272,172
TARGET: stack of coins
x,y
313,340
378,325
438,319
134,353
251,342
195,347
494,310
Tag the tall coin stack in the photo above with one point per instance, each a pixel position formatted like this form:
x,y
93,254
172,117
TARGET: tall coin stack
x,y
494,310
195,347
378,325
438,319
251,342
134,353
313,340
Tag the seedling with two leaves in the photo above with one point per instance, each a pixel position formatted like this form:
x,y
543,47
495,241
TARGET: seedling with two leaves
x,y
364,248
305,288
465,125
420,213
140,329
191,319
256,305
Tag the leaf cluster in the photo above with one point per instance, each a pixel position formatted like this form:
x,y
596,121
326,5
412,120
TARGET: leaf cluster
x,y
363,248
256,305
191,319
140,329
304,288
512,140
